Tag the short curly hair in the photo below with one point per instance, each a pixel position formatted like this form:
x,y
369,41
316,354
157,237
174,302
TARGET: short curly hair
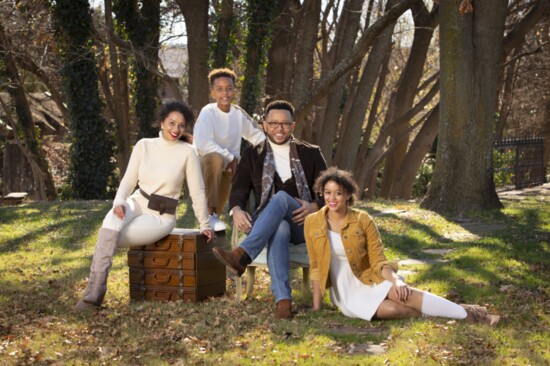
x,y
341,177
220,73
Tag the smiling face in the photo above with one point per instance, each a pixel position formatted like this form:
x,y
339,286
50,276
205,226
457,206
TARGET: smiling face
x,y
335,197
278,126
223,91
173,126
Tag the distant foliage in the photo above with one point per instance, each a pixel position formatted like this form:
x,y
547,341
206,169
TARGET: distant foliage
x,y
91,149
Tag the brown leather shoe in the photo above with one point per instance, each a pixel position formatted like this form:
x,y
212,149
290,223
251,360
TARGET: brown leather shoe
x,y
479,314
235,260
283,309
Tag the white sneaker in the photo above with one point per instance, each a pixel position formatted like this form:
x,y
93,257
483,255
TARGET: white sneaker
x,y
216,224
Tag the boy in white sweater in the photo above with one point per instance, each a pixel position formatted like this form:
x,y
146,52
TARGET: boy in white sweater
x,y
217,139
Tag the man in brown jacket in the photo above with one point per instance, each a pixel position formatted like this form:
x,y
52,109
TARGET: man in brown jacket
x,y
281,172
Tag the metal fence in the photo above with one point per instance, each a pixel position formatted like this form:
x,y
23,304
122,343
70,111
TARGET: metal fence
x,y
519,161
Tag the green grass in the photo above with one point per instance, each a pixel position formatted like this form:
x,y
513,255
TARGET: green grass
x,y
45,251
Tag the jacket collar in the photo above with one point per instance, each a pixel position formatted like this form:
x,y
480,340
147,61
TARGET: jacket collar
x,y
320,218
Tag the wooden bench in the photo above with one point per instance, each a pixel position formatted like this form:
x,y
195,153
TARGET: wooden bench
x,y
14,198
298,259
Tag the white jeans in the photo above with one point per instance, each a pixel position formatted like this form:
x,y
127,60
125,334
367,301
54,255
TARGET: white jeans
x,y
140,225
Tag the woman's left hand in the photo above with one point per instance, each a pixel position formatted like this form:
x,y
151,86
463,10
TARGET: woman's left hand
x,y
401,290
210,234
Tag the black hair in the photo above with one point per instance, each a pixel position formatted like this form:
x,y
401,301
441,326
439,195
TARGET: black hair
x,y
177,106
223,72
341,177
280,104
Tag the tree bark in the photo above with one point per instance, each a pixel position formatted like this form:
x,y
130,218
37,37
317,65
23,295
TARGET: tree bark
x,y
402,188
260,14
546,139
280,55
196,24
223,34
471,47
303,71
360,170
43,180
349,142
119,104
402,98
359,50
344,40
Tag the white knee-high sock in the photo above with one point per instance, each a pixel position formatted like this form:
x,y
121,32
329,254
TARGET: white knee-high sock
x,y
433,305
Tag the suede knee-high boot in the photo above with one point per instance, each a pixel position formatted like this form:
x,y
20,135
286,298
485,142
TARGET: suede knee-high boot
x,y
107,241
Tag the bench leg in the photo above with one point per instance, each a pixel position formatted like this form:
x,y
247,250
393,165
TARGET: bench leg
x,y
238,289
305,283
250,278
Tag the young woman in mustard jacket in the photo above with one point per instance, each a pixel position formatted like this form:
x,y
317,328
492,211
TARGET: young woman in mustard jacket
x,y
346,254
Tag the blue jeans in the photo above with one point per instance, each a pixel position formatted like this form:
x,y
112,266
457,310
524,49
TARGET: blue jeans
x,y
275,229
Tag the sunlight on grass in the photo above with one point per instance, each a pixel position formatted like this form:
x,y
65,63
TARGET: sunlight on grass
x,y
45,254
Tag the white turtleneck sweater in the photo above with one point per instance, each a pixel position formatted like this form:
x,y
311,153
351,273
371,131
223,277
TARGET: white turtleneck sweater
x,y
281,155
160,166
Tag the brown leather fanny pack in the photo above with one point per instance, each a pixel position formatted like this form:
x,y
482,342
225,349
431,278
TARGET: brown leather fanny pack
x,y
160,203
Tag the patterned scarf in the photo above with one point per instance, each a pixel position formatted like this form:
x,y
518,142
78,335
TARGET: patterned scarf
x,y
268,176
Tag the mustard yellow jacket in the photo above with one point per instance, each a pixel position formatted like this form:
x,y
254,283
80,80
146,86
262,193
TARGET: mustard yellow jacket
x,y
361,241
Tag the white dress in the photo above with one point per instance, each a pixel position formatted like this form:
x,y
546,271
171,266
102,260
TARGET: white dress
x,y
354,298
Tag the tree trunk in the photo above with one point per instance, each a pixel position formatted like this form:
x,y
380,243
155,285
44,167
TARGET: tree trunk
x,y
345,36
349,142
142,23
402,98
43,180
278,54
196,24
223,34
510,74
402,188
360,170
260,14
307,41
546,137
91,145
119,99
471,48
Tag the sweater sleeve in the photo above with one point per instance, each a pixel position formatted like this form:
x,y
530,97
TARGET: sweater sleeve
x,y
251,130
195,184
130,179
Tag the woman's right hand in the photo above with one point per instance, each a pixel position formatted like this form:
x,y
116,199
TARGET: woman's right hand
x,y
119,211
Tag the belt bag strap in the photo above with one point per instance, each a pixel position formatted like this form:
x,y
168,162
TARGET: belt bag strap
x,y
159,203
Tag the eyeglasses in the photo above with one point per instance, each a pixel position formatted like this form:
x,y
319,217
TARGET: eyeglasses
x,y
284,125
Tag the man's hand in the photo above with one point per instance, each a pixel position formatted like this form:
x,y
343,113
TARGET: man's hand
x,y
119,211
301,213
242,219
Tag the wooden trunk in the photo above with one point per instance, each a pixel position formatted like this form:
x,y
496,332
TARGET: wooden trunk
x,y
180,266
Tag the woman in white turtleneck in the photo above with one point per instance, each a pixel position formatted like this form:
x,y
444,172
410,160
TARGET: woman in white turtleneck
x,y
159,166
